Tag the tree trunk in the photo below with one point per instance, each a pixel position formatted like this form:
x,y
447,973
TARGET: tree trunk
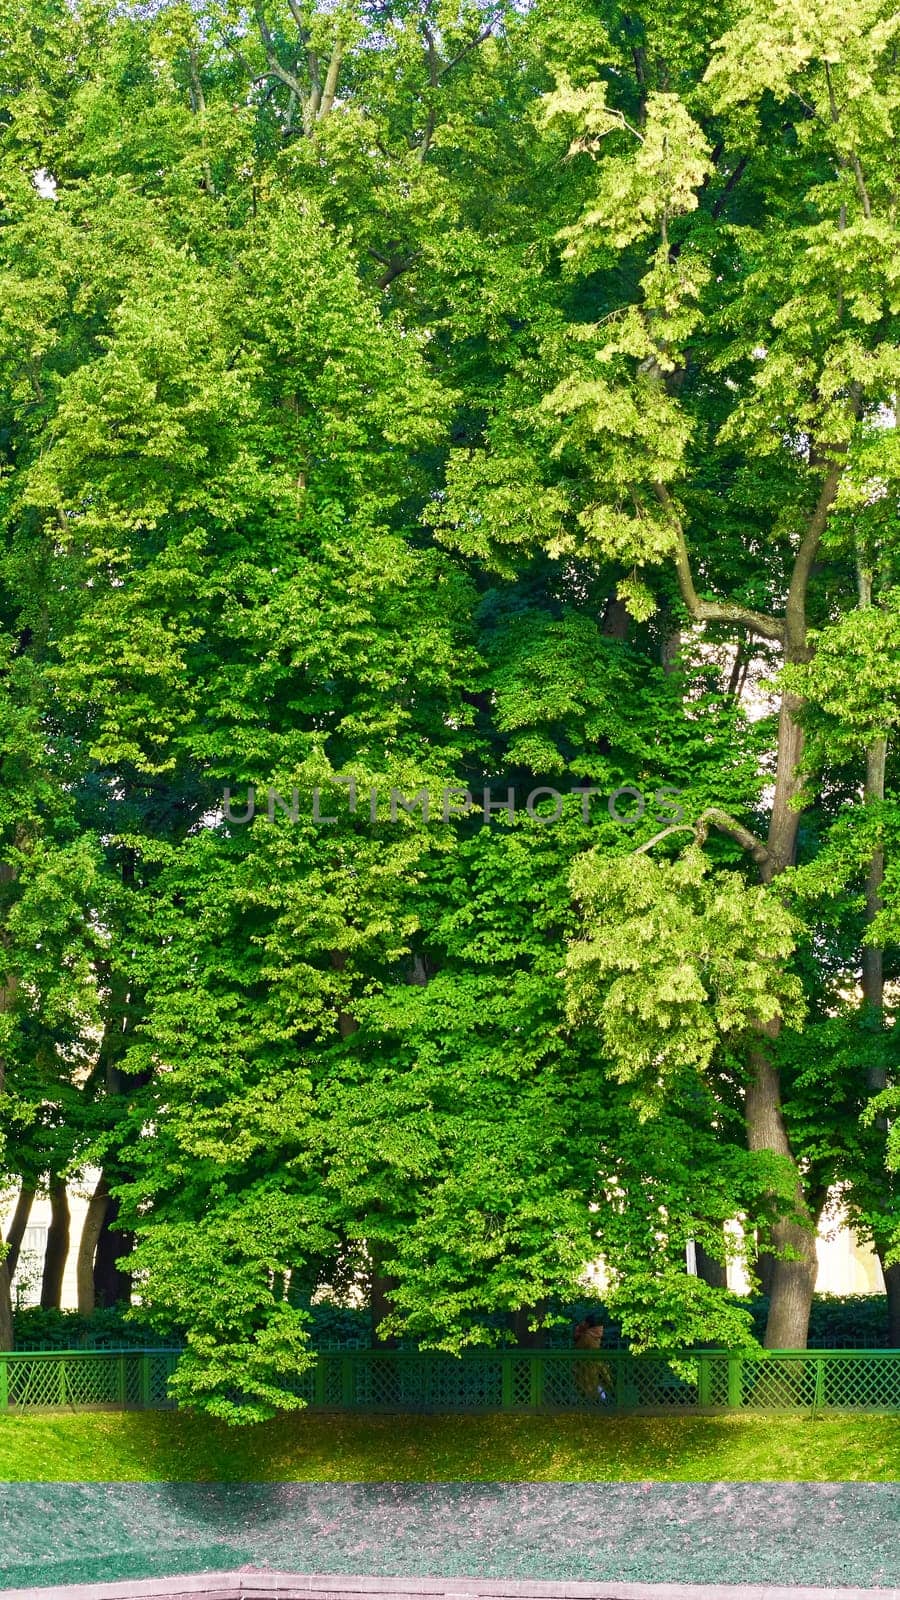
x,y
98,1205
380,1283
528,1338
57,1247
784,824
17,1228
112,1284
873,970
793,1236
873,1001
892,1285
872,955
793,1286
616,619
670,651
108,1285
6,1316
710,1268
7,997
382,1286
765,1268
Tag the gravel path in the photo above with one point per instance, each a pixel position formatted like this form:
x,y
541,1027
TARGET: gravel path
x,y
779,1533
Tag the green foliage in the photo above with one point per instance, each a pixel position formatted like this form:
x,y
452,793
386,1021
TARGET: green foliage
x,y
665,1310
107,1328
679,961
384,401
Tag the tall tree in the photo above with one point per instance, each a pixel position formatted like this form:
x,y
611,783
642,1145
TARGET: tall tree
x,y
730,382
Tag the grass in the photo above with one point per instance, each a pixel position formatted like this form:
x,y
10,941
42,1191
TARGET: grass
x,y
175,1447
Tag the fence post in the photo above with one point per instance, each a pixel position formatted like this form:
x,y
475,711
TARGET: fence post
x,y
319,1380
4,1384
506,1383
120,1380
628,1393
145,1379
536,1380
735,1364
819,1400
62,1380
704,1381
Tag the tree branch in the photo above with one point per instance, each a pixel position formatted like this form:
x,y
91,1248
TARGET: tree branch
x,y
331,80
795,609
311,109
861,186
712,817
275,68
198,99
438,70
300,20
198,106
730,182
674,827
712,610
468,48
394,266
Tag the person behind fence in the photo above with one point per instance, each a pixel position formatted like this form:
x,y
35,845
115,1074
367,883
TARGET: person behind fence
x,y
593,1378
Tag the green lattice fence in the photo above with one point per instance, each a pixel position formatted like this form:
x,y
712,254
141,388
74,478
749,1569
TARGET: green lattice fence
x,y
127,1379
708,1381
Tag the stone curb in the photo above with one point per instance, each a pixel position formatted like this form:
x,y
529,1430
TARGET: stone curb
x,y
250,1585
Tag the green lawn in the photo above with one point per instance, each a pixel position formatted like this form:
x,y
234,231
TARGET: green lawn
x,y
139,1446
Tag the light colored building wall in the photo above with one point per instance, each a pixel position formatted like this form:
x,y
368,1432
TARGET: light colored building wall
x,y
27,1281
846,1265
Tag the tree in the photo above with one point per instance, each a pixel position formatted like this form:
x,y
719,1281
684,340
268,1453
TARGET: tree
x,y
480,396
734,385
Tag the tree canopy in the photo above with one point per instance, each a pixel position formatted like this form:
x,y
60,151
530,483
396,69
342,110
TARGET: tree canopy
x,y
420,423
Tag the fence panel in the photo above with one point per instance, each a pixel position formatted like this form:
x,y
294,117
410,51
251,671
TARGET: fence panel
x,y
86,1379
603,1382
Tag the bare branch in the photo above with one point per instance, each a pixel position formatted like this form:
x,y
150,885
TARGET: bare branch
x,y
300,20
331,80
795,610
832,102
424,144
394,266
438,70
731,181
468,48
198,106
311,108
675,827
431,55
712,610
861,186
712,817
241,59
289,115
198,99
276,70
434,76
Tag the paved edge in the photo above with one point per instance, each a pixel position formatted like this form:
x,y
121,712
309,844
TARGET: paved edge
x,y
251,1585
